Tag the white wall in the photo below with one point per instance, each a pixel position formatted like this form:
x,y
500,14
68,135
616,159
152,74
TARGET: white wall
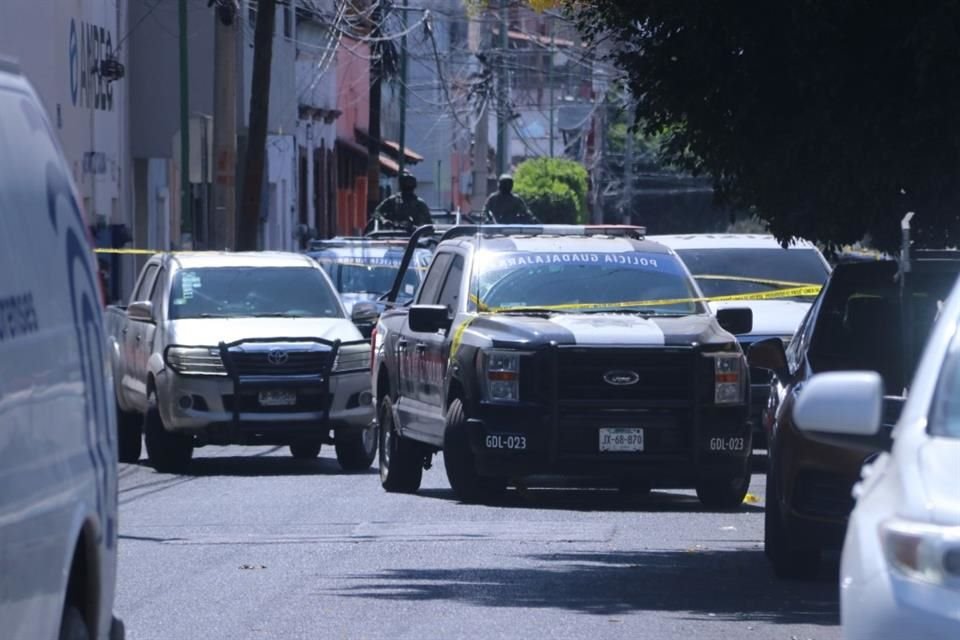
x,y
57,42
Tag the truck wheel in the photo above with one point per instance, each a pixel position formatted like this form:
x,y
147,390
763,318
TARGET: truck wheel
x,y
72,624
788,557
459,461
129,435
305,449
357,449
168,452
401,461
725,491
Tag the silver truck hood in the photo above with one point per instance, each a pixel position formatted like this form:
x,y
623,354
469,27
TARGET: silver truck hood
x,y
204,332
770,317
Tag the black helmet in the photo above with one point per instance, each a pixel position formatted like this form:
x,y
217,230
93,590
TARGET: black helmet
x,y
407,181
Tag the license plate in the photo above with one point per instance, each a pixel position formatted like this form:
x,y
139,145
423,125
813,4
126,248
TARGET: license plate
x,y
728,444
616,439
277,398
506,441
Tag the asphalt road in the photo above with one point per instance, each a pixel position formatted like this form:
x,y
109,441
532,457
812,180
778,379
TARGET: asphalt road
x,y
253,544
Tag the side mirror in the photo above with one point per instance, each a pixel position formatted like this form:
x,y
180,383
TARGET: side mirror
x,y
769,354
429,318
141,312
364,315
737,321
848,403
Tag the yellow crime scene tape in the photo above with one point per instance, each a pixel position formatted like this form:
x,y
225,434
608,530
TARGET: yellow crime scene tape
x,y
766,281
807,291
132,252
150,252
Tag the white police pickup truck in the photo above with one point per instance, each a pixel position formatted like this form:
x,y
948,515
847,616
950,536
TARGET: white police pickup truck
x,y
58,477
239,348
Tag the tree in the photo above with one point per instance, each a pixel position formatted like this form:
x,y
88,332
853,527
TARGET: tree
x,y
828,119
555,189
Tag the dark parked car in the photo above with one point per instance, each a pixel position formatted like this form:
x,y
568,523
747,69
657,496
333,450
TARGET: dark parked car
x,y
857,323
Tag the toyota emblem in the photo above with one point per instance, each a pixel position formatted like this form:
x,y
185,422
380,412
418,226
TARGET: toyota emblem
x,y
621,378
277,357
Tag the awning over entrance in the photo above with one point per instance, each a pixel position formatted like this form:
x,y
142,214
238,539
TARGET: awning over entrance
x,y
390,148
388,165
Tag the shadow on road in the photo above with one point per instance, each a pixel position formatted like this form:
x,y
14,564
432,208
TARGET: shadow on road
x,y
255,466
719,584
593,499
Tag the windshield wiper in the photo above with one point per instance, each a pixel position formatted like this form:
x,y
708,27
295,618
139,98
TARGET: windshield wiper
x,y
638,312
277,315
531,310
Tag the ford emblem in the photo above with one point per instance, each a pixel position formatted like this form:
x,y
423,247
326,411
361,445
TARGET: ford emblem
x,y
277,357
621,378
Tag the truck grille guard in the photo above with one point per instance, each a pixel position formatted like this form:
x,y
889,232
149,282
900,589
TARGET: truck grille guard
x,y
316,372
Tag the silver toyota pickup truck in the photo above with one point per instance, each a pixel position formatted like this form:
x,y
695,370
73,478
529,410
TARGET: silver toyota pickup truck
x,y
239,348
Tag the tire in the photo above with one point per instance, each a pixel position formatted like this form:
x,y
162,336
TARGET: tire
x,y
724,492
356,450
788,558
129,436
401,459
72,624
460,462
305,449
168,452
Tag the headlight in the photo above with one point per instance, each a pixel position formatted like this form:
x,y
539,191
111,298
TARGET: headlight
x,y
501,376
195,361
729,381
922,552
352,358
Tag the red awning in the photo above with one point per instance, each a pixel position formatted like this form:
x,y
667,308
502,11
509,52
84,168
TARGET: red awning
x,y
390,147
389,166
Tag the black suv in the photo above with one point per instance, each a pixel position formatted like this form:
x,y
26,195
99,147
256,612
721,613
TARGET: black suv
x,y
562,350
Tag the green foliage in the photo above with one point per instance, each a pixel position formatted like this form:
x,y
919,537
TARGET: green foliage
x,y
830,119
555,189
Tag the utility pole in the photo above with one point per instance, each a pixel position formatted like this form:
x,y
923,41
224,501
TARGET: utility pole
x,y
403,90
224,228
503,89
550,80
373,111
186,214
481,140
248,232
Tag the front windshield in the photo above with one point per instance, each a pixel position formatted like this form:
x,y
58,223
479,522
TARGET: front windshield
x,y
235,292
369,275
585,282
728,272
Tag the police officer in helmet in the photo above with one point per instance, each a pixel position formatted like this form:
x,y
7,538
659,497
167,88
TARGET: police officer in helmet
x,y
404,210
507,208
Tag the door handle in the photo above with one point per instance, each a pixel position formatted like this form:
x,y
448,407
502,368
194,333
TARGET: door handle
x,y
402,344
421,347
123,331
139,337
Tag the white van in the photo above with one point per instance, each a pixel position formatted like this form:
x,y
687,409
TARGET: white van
x,y
58,469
